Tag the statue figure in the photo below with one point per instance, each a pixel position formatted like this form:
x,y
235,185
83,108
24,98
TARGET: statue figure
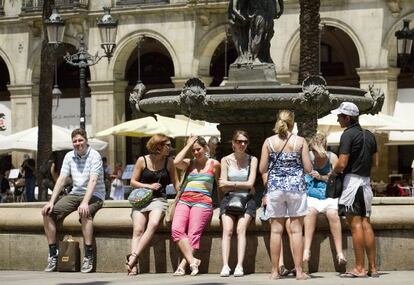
x,y
251,23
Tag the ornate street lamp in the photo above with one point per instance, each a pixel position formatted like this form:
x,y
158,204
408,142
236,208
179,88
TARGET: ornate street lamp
x,y
405,38
82,59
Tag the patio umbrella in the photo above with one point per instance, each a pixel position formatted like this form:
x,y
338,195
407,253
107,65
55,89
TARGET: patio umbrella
x,y
27,140
148,126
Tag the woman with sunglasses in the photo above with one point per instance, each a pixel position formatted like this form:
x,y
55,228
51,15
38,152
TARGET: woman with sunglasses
x,y
195,206
153,171
238,173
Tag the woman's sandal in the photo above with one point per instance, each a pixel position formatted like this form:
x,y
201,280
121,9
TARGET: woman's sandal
x,y
341,259
132,269
179,272
194,266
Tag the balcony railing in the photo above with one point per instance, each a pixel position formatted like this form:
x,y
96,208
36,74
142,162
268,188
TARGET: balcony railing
x,y
137,2
36,5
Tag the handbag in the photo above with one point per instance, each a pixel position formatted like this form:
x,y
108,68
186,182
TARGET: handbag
x,y
171,209
69,255
315,188
238,199
140,197
334,186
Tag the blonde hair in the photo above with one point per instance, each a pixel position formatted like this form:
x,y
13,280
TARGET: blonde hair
x,y
318,144
284,123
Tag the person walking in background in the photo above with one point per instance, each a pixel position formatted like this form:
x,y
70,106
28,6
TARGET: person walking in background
x,y
357,155
318,202
117,186
194,207
28,170
153,171
84,165
214,148
238,174
284,159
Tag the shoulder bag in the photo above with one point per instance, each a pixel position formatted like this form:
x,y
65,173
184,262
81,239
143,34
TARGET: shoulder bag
x,y
238,200
171,209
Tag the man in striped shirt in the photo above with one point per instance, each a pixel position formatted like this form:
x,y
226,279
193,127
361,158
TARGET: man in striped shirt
x,y
84,165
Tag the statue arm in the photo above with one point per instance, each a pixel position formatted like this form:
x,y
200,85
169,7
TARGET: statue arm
x,y
281,9
234,9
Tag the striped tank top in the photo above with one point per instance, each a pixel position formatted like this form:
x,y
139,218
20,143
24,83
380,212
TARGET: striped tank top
x,y
197,191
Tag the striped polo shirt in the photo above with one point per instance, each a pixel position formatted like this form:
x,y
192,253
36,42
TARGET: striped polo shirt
x,y
80,168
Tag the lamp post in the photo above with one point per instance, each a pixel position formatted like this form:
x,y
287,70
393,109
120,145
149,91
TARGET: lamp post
x,y
405,38
82,59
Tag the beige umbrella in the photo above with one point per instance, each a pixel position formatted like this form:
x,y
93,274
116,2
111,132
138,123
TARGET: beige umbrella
x,y
27,140
172,127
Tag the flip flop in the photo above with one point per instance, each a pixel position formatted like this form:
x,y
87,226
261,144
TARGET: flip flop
x,y
352,275
373,274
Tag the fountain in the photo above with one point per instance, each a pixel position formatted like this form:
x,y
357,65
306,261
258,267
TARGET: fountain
x,y
252,96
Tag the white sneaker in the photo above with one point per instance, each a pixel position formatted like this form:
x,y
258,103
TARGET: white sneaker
x,y
238,272
225,272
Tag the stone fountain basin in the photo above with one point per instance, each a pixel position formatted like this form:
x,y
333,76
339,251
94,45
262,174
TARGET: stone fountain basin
x,y
252,104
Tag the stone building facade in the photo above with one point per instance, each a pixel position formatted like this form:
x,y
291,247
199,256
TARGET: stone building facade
x,y
186,38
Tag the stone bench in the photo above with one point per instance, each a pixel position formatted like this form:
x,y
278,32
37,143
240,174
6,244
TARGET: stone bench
x,y
24,246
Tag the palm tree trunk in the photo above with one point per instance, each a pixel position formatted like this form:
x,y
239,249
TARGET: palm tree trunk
x,y
44,143
309,19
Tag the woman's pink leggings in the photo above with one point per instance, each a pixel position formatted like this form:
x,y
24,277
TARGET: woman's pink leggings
x,y
189,223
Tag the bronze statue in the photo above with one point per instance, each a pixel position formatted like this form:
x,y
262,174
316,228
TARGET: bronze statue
x,y
251,23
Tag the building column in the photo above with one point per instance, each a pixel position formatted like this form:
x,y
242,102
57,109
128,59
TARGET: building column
x,y
24,103
384,78
108,110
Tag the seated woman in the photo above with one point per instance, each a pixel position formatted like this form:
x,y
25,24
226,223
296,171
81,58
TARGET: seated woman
x,y
238,173
322,161
153,171
194,207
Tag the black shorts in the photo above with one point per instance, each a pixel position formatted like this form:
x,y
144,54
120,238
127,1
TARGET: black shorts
x,y
358,207
250,206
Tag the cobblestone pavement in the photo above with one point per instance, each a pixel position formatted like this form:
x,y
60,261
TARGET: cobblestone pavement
x,y
320,278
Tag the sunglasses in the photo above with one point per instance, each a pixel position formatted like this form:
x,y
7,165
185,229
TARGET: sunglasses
x,y
167,144
241,141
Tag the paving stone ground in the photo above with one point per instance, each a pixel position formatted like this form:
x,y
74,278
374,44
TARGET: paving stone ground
x,y
320,278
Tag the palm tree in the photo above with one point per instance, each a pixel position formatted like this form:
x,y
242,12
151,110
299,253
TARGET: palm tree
x,y
309,19
44,119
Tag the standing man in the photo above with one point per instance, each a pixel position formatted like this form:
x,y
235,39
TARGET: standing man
x,y
357,154
84,165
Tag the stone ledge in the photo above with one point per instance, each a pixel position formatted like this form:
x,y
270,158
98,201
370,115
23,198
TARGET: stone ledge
x,y
387,213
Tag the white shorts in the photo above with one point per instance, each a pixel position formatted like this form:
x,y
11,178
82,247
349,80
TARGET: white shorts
x,y
282,204
323,205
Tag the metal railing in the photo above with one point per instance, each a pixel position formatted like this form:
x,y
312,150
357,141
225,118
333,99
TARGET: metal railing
x,y
36,5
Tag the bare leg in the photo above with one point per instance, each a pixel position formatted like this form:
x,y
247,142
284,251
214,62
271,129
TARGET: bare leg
x,y
335,227
50,229
370,246
296,227
139,221
187,251
228,224
358,241
241,238
87,230
310,225
154,219
276,230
